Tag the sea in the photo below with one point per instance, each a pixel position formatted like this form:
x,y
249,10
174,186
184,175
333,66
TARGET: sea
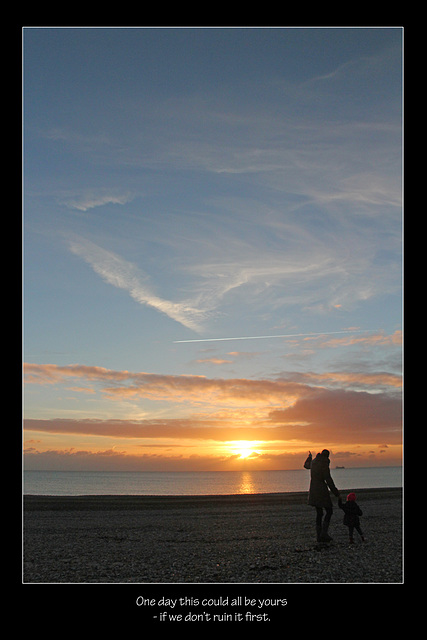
x,y
180,483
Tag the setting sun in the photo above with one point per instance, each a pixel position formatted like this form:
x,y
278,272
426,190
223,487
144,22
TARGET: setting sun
x,y
244,448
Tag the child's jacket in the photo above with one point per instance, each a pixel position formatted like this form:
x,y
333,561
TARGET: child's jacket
x,y
352,511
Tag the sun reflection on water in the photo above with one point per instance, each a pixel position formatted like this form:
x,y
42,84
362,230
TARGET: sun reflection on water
x,y
246,483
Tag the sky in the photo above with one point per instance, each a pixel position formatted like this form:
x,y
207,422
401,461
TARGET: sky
x,y
212,241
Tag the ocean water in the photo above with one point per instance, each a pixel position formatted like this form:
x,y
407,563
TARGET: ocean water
x,y
62,483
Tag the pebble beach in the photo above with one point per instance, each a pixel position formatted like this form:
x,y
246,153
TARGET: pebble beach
x,y
255,538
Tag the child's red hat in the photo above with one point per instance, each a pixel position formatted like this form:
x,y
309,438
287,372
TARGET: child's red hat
x,y
351,497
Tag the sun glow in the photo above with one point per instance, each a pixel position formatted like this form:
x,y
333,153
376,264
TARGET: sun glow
x,y
244,448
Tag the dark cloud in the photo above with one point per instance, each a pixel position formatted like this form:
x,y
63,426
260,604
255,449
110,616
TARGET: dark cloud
x,y
344,416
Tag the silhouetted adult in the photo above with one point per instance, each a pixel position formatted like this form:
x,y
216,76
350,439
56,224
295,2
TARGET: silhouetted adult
x,y
319,496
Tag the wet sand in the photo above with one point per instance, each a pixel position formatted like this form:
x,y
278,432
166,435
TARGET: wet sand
x,y
256,538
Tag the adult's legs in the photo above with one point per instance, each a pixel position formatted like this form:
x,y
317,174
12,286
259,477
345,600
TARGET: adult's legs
x,y
319,517
328,514
324,536
322,525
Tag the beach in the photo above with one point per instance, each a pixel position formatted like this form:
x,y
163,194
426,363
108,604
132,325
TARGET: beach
x,y
252,538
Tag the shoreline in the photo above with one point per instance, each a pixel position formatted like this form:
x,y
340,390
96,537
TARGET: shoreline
x,y
33,502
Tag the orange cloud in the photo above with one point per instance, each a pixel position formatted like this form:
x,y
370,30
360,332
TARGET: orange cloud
x,y
179,388
344,416
174,429
334,415
370,340
279,414
214,361
114,460
367,379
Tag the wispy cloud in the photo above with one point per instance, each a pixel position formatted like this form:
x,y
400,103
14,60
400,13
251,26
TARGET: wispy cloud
x,y
124,275
91,200
270,276
308,139
325,228
296,267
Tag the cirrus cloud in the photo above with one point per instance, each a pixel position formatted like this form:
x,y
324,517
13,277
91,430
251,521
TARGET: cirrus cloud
x,y
124,275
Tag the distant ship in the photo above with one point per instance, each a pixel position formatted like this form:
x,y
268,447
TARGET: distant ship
x,y
339,467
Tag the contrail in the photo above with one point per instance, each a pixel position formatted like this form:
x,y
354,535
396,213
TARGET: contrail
x,y
286,335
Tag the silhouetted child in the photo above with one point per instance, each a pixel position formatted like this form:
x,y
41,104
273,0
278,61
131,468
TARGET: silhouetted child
x,y
352,512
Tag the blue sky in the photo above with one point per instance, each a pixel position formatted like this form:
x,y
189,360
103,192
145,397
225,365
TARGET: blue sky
x,y
184,184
